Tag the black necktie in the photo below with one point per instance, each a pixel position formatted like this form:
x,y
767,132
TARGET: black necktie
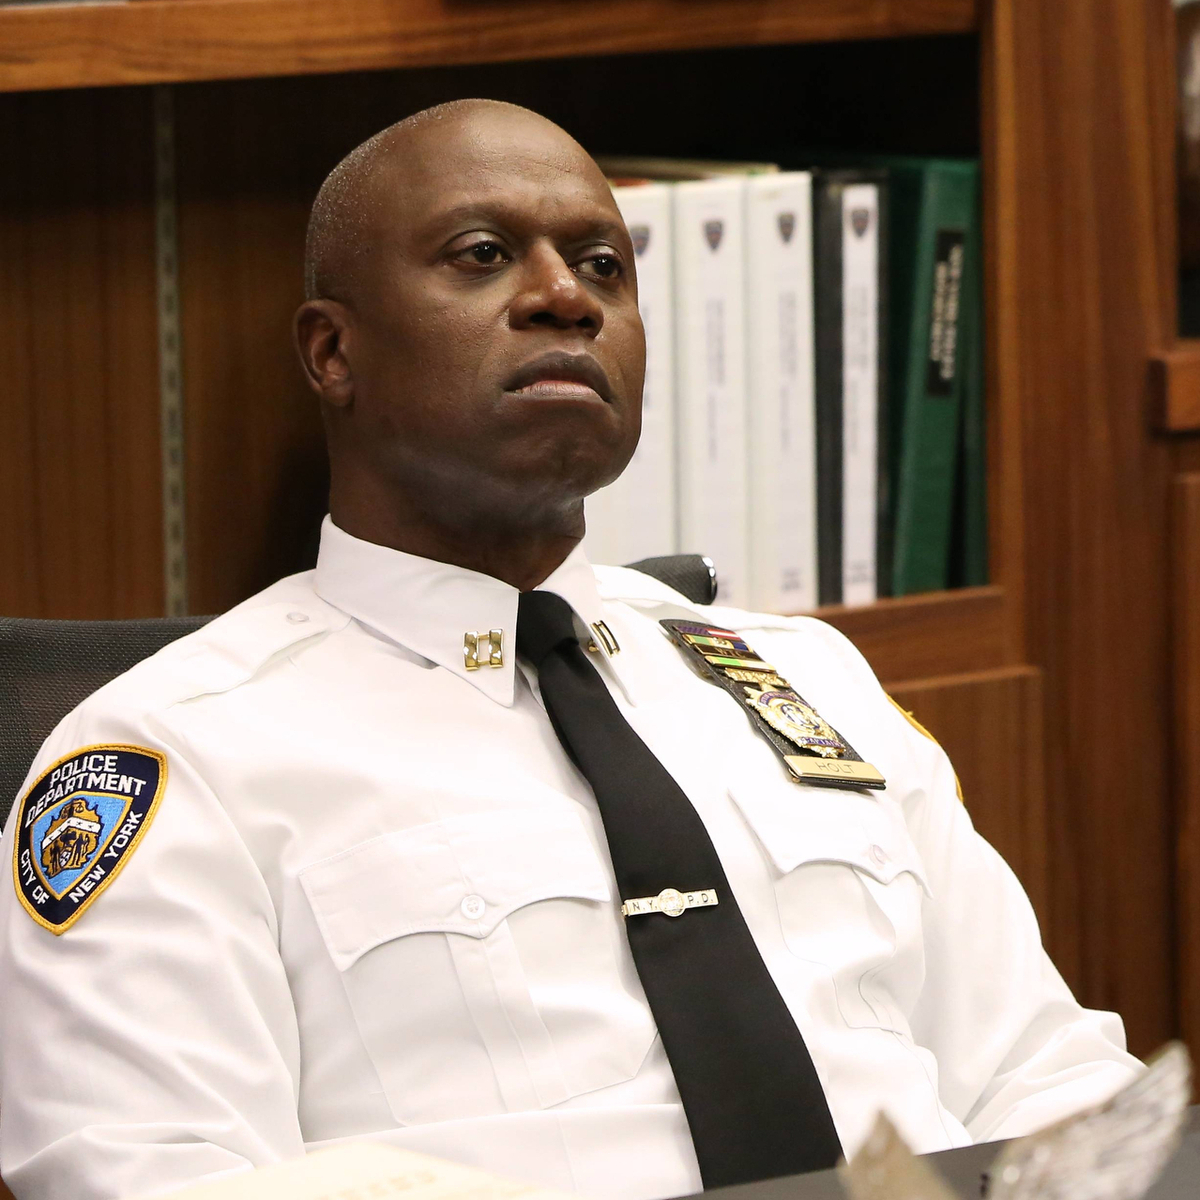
x,y
751,1094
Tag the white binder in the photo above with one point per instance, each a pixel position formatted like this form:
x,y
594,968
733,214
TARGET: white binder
x,y
710,377
635,516
781,396
860,392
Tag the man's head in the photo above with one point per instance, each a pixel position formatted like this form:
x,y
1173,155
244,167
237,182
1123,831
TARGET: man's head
x,y
471,327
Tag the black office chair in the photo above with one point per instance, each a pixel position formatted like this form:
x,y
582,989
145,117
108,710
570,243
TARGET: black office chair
x,y
693,575
49,667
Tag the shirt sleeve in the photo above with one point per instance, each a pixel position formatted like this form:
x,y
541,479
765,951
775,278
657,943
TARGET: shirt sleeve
x,y
154,1041
1015,1050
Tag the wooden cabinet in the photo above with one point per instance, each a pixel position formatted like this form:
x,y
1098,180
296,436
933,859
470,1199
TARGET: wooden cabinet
x,y
1050,687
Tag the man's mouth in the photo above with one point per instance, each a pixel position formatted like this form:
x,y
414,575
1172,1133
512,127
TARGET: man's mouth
x,y
561,376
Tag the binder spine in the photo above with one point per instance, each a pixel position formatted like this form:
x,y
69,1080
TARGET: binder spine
x,y
860,391
710,374
780,393
827,310
635,516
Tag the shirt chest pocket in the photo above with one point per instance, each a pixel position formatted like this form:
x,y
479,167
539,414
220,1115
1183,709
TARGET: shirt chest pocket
x,y
850,889
484,963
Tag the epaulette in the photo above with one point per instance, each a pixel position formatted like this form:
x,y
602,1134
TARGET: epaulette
x,y
235,647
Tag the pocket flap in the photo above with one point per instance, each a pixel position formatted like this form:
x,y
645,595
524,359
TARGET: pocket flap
x,y
460,875
811,825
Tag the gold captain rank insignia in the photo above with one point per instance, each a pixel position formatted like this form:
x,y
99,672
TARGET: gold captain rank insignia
x,y
811,749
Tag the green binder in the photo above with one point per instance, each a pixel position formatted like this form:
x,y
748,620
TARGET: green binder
x,y
969,553
935,213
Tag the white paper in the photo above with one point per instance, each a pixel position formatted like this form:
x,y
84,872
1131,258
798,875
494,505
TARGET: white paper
x,y
365,1171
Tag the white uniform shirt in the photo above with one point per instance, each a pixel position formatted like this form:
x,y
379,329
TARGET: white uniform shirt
x,y
376,901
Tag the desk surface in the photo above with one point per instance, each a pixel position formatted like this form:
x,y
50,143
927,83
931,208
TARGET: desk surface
x,y
964,1171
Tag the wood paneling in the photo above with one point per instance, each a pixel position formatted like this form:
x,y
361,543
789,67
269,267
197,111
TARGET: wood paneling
x,y
1176,381
80,477
163,40
256,479
940,633
1091,250
1185,661
991,726
1007,500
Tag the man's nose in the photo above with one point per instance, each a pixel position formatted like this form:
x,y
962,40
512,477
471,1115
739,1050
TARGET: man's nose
x,y
551,294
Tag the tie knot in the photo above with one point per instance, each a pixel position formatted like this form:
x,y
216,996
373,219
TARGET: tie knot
x,y
544,622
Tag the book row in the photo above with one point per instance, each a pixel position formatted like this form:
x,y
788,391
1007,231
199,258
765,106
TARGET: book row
x,y
813,408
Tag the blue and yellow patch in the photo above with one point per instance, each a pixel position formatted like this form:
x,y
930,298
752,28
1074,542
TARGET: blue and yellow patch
x,y
77,825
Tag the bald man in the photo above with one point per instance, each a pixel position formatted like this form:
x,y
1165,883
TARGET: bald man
x,y
318,873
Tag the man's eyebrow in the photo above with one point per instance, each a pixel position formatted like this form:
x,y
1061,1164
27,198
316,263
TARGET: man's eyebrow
x,y
598,223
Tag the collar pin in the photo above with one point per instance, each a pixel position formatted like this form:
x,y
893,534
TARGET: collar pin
x,y
604,636
486,649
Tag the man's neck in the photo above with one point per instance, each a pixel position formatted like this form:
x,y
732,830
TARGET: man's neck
x,y
523,557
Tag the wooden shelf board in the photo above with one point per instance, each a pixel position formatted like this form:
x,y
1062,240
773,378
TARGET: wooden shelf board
x,y
161,41
1176,381
928,636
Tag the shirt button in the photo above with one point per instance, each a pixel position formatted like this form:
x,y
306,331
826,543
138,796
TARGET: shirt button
x,y
472,907
297,618
878,855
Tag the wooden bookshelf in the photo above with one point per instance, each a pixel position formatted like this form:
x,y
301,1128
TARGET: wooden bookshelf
x,y
925,636
1177,386
160,41
1049,687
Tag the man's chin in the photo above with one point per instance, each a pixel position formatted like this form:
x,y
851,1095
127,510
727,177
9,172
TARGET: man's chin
x,y
570,468
546,495
532,487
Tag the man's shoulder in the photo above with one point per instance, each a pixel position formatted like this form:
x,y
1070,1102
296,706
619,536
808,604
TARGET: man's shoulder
x,y
790,635
222,654
133,711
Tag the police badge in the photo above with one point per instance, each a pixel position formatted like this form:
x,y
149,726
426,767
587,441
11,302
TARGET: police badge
x,y
77,825
639,235
811,749
786,713
713,232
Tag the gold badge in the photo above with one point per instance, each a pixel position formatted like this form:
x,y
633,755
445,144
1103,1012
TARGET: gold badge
x,y
800,724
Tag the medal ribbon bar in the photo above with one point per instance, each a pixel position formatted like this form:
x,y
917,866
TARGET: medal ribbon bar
x,y
811,750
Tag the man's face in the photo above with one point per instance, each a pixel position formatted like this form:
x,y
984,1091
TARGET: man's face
x,y
495,343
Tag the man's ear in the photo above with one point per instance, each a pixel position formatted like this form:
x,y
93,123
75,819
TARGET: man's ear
x,y
321,331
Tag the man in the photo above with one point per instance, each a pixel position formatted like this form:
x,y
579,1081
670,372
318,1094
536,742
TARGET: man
x,y
346,878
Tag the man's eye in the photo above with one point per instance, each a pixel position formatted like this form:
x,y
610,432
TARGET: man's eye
x,y
484,254
601,266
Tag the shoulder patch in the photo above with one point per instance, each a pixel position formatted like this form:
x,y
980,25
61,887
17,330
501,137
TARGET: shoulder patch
x,y
925,733
78,823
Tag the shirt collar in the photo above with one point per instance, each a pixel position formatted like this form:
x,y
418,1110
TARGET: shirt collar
x,y
429,606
